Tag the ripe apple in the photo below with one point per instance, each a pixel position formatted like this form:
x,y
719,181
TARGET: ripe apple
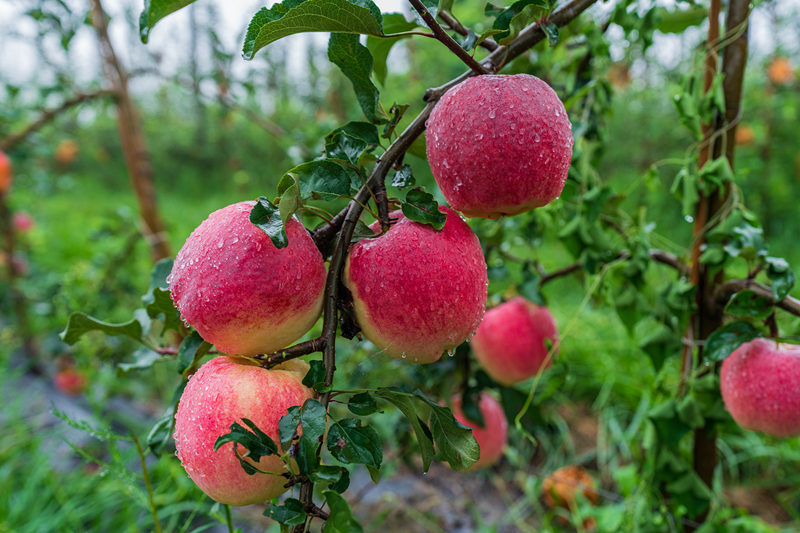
x,y
499,145
223,391
416,291
71,381
239,291
780,71
511,342
22,222
560,487
6,173
493,436
66,152
760,385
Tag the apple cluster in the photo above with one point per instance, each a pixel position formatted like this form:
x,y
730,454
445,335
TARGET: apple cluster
x,y
497,146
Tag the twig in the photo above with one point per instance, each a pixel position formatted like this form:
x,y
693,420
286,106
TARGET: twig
x,y
10,142
446,40
456,26
292,352
659,256
382,201
325,235
147,484
724,292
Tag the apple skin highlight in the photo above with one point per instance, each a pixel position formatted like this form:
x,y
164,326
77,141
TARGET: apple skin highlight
x,y
499,145
760,385
223,391
416,291
239,291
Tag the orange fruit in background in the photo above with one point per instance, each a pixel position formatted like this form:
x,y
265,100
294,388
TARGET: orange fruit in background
x,y
619,74
6,173
66,151
780,71
559,489
744,135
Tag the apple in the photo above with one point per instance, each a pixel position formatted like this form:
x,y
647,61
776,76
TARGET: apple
x,y
511,343
499,145
223,391
6,173
493,436
416,291
760,385
71,381
561,487
22,222
66,152
239,291
780,71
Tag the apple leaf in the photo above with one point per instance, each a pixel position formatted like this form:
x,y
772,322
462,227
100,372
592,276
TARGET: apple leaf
x,y
380,47
781,276
350,442
143,358
257,443
315,377
407,404
290,513
454,441
355,61
341,517
287,426
155,10
748,304
191,350
403,177
299,16
306,455
362,404
267,218
325,179
726,339
420,206
313,417
81,323
338,477
351,141
161,431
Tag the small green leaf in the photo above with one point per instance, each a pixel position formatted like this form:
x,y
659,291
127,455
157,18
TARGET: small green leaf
x,y
143,359
689,412
341,519
325,179
267,218
315,377
313,418
355,61
551,30
362,404
420,206
287,426
454,441
191,350
781,276
396,112
748,304
289,204
81,323
338,477
298,16
678,20
726,339
669,427
306,455
290,513
403,177
407,404
350,442
504,19
380,47
155,10
161,431
659,343
351,141
256,443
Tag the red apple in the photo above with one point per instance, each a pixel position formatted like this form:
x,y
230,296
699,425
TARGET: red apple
x,y
22,222
760,385
511,343
70,381
416,291
223,391
499,145
6,173
493,436
239,291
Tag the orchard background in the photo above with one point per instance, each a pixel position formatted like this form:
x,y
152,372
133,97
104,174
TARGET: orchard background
x,y
680,198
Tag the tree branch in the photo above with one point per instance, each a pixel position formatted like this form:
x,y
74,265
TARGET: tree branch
x,y
446,40
10,142
293,352
724,292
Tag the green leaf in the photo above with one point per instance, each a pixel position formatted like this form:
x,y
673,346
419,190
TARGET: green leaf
x,y
290,513
313,418
287,426
267,218
551,30
355,61
689,412
403,177
454,441
191,350
406,403
669,427
338,477
155,10
350,442
396,112
324,179
341,519
290,203
678,20
505,18
81,323
306,455
256,443
748,304
143,359
660,343
726,339
380,47
781,276
420,206
433,8
351,141
299,16
362,404
161,431
315,377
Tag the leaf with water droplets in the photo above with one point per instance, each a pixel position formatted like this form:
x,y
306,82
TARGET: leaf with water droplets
x,y
267,218
420,206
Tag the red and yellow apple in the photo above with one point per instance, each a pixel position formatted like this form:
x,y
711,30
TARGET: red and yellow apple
x,y
499,145
492,437
6,173
239,291
760,385
511,343
416,291
223,391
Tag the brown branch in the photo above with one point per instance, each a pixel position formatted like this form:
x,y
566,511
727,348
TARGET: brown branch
x,y
659,256
456,26
561,272
324,236
723,294
666,258
382,201
10,142
293,352
446,40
